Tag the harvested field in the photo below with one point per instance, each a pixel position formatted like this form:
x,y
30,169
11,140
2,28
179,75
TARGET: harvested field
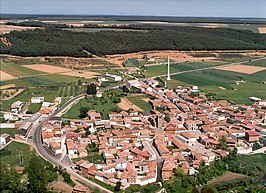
x,y
83,74
49,21
47,68
214,25
262,30
8,28
125,104
61,70
5,76
246,69
7,86
227,177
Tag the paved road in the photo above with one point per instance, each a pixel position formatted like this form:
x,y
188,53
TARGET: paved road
x,y
64,162
261,150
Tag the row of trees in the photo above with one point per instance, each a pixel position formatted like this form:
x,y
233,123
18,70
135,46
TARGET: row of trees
x,y
38,24
41,42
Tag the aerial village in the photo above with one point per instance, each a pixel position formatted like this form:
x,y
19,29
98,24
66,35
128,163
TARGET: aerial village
x,y
182,131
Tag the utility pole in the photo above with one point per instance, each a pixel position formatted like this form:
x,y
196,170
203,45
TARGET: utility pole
x,y
21,157
168,69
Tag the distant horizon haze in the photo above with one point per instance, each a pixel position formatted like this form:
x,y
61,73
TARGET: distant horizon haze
x,y
152,8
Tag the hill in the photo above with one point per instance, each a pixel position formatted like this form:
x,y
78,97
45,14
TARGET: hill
x,y
51,42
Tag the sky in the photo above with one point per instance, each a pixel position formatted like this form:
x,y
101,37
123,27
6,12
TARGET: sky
x,y
190,8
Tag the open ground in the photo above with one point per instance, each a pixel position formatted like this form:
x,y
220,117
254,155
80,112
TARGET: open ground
x,y
47,68
242,68
61,70
7,86
262,30
5,76
8,28
125,104
227,177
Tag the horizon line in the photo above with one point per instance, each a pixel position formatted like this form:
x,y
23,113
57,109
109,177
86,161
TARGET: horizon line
x,y
131,15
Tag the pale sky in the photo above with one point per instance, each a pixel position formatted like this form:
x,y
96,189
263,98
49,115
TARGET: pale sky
x,y
202,8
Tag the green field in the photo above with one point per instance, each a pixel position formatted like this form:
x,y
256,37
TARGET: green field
x,y
257,63
49,94
70,90
34,108
10,154
17,82
103,105
179,67
218,77
137,100
18,70
10,131
59,78
211,80
38,81
93,158
241,95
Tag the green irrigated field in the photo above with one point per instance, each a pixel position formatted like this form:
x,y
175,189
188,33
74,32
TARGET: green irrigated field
x,y
39,81
62,78
18,70
257,63
10,154
241,95
218,77
179,67
211,80
17,82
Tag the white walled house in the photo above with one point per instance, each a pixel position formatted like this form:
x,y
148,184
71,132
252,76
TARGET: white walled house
x,y
4,139
37,100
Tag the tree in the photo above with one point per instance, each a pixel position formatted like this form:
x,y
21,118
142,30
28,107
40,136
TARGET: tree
x,y
208,189
91,89
125,89
10,180
83,112
223,144
230,121
117,186
93,147
37,174
167,119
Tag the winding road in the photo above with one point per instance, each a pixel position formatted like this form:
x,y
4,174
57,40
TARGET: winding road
x,y
64,162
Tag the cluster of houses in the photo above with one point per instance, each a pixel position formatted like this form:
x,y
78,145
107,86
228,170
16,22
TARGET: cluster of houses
x,y
16,110
183,130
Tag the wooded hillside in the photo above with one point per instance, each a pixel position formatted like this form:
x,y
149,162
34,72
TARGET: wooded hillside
x,y
42,42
